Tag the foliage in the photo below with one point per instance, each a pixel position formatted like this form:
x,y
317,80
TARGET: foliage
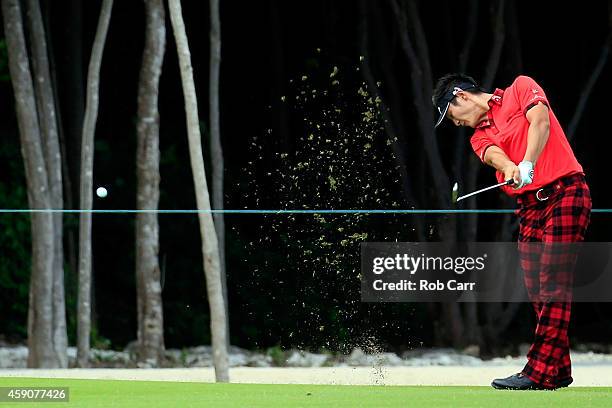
x,y
278,356
293,279
98,341
14,244
4,70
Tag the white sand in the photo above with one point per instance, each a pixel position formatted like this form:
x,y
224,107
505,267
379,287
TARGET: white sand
x,y
584,375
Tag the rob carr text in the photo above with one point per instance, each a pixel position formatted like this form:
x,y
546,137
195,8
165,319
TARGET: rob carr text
x,y
423,285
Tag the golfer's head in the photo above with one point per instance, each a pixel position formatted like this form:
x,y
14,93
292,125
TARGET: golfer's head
x,y
455,98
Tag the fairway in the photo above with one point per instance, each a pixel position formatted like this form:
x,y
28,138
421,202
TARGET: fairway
x,y
101,393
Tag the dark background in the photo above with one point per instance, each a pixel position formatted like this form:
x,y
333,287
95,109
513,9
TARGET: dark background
x,y
293,279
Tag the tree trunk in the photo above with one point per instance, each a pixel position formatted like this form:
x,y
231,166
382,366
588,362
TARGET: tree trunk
x,y
216,150
148,284
422,83
588,88
42,352
210,250
396,144
498,316
472,21
514,48
66,65
423,107
87,150
473,165
51,149
499,35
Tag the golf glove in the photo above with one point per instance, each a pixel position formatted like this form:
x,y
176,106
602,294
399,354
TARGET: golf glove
x,y
526,170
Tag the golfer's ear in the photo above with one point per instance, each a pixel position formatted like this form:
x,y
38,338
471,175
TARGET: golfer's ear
x,y
462,95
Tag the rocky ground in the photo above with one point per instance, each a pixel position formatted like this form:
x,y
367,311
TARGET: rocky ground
x,y
15,357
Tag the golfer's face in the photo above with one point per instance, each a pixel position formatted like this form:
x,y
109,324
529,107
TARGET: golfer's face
x,y
462,112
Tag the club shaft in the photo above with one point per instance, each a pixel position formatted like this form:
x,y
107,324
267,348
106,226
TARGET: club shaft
x,y
482,190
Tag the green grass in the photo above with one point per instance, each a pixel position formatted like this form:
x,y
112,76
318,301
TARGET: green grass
x,y
149,394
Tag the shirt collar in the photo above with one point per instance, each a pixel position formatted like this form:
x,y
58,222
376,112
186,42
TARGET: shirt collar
x,y
495,100
497,97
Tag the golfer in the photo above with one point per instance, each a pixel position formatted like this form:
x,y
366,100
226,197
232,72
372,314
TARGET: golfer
x,y
517,133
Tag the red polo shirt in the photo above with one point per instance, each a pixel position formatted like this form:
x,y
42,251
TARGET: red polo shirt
x,y
507,128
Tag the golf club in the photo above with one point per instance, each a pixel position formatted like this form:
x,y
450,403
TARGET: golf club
x,y
455,192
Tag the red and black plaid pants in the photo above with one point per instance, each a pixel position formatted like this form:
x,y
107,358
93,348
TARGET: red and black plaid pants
x,y
547,230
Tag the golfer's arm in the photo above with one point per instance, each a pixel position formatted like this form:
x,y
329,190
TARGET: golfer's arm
x,y
537,135
497,158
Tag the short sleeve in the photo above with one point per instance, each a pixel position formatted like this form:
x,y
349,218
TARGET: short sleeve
x,y
480,143
528,93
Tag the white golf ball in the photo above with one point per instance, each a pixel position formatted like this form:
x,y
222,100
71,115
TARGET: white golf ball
x,y
101,192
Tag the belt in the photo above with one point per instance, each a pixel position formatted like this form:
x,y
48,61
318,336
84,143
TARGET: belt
x,y
544,193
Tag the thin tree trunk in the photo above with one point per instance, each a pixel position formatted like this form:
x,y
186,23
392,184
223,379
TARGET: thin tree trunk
x,y
514,48
462,65
473,165
86,199
73,77
588,87
216,150
398,152
421,49
67,187
424,110
422,83
498,316
148,284
396,122
51,150
499,35
69,232
471,23
40,313
210,249
67,77
498,16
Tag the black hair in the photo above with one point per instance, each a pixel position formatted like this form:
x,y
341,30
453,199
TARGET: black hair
x,y
449,81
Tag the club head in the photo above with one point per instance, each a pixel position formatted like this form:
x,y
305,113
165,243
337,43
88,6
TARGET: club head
x,y
455,193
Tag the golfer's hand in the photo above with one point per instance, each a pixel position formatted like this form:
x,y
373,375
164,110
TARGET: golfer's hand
x,y
526,173
512,172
